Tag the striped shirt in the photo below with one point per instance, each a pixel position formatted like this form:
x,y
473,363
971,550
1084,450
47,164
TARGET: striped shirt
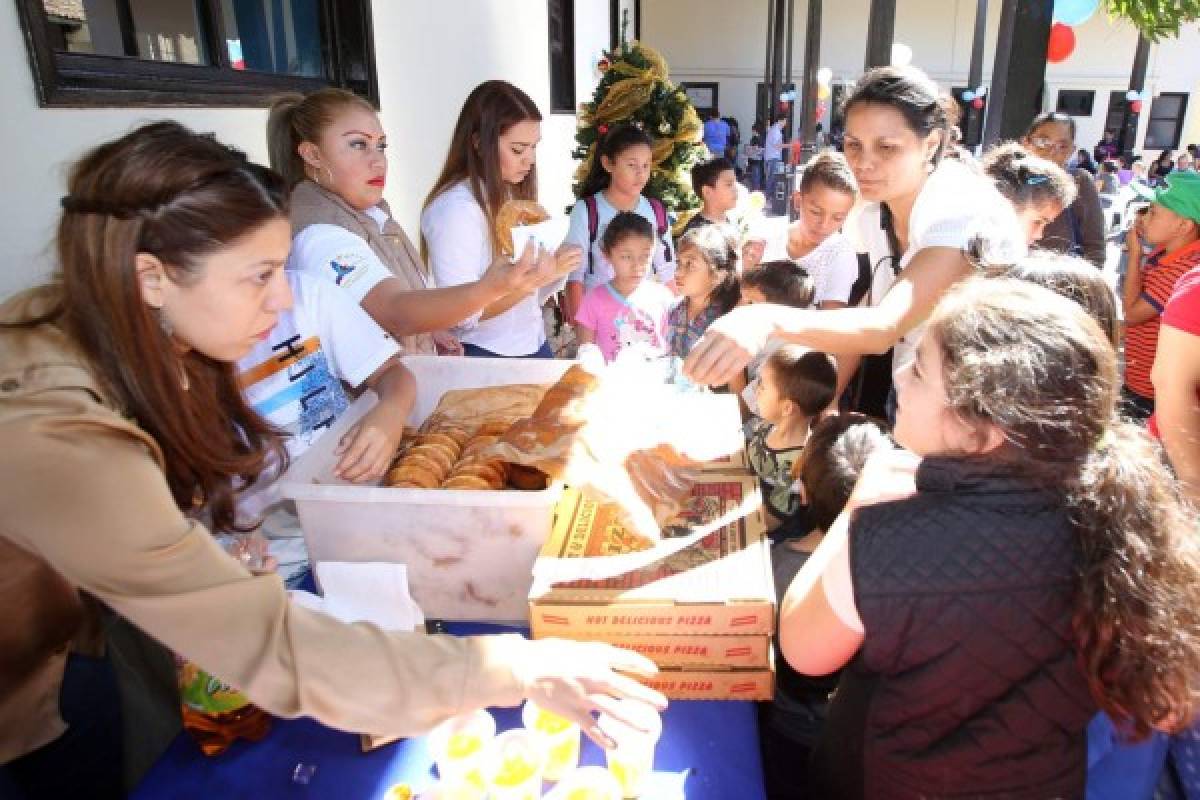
x,y
1160,271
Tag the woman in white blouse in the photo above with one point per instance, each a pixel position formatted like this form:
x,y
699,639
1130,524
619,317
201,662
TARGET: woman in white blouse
x,y
923,213
491,160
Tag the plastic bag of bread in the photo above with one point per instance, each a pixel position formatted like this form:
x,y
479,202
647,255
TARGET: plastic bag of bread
x,y
622,438
470,408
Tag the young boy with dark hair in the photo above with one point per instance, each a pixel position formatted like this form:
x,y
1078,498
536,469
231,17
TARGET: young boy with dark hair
x,y
789,726
1172,228
715,182
782,282
795,385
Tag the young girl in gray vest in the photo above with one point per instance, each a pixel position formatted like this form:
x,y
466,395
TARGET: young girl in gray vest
x,y
1018,568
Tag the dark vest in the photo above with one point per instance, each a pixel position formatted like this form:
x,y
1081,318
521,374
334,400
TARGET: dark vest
x,y
967,684
312,205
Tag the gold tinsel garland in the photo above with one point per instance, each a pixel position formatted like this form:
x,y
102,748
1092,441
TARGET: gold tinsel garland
x,y
626,96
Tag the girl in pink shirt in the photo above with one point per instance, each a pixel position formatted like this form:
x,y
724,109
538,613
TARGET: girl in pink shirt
x,y
628,310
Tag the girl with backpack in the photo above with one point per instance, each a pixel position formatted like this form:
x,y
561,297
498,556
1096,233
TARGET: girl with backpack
x,y
620,171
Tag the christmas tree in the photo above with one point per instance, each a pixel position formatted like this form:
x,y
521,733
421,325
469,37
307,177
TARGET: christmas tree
x,y
634,90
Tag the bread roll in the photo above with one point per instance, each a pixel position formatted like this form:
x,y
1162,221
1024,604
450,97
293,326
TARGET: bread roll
x,y
512,214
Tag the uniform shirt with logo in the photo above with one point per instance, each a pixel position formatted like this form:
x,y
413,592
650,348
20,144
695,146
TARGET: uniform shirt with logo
x,y
295,377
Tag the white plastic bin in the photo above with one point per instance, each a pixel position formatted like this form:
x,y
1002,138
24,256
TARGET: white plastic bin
x,y
469,554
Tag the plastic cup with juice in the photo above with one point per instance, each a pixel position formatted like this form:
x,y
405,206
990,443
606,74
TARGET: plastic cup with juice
x,y
559,735
513,766
587,783
632,759
458,746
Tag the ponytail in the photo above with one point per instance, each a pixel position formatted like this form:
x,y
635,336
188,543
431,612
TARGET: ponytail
x,y
296,118
615,142
1137,614
1028,180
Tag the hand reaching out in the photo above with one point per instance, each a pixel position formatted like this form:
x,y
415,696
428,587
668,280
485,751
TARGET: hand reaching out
x,y
575,679
365,452
730,343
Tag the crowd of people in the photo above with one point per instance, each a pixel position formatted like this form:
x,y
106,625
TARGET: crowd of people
x,y
984,537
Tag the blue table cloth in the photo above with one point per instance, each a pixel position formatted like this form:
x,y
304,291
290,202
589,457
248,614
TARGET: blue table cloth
x,y
710,747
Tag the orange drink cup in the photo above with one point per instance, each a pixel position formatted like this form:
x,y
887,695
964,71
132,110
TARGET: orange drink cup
x,y
458,746
513,766
587,783
633,757
559,736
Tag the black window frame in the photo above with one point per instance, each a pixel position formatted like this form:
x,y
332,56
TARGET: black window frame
x,y
86,80
1086,102
561,54
1179,118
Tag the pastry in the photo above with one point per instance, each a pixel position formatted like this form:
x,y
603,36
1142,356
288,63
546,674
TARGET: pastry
x,y
526,478
414,475
441,455
443,438
466,482
423,461
483,470
513,214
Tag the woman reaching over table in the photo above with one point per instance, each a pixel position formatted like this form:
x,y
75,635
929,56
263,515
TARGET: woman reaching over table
x,y
922,215
331,149
123,425
492,159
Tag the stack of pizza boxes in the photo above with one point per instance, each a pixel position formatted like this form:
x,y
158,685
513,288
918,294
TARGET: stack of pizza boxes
x,y
704,614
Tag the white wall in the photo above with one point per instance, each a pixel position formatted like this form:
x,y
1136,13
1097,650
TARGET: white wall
x,y
724,42
430,55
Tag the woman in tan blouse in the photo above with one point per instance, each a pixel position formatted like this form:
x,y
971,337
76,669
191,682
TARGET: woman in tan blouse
x,y
122,424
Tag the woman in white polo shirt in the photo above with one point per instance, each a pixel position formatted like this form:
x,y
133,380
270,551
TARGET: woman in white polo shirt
x,y
922,215
331,148
492,159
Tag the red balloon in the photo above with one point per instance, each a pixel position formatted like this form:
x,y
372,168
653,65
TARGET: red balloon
x,y
1062,43
977,102
1135,106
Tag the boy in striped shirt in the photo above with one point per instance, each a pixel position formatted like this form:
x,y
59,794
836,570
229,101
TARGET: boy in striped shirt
x,y
1172,227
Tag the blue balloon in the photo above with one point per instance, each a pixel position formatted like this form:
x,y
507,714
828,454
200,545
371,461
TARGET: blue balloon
x,y
1074,12
968,95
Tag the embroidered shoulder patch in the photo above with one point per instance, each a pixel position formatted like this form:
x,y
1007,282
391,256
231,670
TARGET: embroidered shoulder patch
x,y
344,266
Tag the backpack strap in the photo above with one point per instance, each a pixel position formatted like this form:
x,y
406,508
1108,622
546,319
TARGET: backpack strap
x,y
660,224
862,284
593,219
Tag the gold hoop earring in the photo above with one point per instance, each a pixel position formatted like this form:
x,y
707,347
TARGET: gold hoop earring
x,y
316,176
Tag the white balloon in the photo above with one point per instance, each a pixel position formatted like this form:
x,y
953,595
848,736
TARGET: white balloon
x,y
824,76
902,54
981,91
1131,95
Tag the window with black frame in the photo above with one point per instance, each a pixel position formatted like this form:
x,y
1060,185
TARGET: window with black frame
x,y
196,52
562,56
1076,102
1165,125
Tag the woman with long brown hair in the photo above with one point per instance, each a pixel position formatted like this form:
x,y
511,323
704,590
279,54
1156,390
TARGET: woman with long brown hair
x,y
1028,560
123,425
331,148
492,159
